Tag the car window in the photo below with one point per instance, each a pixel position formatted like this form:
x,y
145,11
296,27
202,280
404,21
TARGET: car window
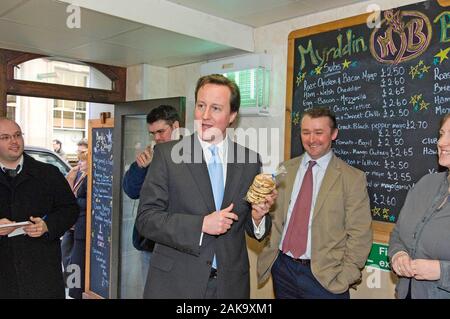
x,y
50,159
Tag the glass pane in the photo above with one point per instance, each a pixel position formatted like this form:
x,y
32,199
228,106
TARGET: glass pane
x,y
11,101
80,120
70,105
249,82
81,106
133,272
50,70
68,115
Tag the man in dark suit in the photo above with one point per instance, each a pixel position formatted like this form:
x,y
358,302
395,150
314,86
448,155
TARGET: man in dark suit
x,y
30,264
192,204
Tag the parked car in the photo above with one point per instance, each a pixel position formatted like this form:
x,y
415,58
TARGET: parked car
x,y
48,156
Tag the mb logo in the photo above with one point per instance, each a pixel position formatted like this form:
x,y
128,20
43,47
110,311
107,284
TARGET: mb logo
x,y
73,279
74,19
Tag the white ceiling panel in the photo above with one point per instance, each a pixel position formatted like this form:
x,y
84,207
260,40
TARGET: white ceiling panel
x,y
45,40
40,26
257,13
8,5
107,53
52,15
161,42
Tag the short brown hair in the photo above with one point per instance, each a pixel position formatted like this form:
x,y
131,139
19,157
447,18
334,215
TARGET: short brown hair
x,y
235,98
320,111
443,120
83,142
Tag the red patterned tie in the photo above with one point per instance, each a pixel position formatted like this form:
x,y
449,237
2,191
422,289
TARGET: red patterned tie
x,y
297,233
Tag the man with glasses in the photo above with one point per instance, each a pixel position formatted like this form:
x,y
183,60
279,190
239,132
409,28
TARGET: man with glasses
x,y
161,121
35,192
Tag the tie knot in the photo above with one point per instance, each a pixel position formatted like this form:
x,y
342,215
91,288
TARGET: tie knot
x,y
311,164
214,150
11,172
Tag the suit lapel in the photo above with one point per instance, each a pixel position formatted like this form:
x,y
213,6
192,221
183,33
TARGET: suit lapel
x,y
234,172
331,175
197,167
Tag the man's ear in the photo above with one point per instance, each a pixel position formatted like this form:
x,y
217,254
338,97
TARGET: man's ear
x,y
232,117
176,125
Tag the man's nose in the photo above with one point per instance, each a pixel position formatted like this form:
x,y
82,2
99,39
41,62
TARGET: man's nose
x,y
206,114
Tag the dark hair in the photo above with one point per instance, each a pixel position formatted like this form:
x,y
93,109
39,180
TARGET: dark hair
x,y
235,98
320,111
163,112
57,142
83,142
444,119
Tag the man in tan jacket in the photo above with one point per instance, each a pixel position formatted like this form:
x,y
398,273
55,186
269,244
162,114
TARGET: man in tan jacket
x,y
321,233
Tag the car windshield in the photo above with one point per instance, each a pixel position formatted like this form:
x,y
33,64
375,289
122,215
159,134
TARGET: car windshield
x,y
50,159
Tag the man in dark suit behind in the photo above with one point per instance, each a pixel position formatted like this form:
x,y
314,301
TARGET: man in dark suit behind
x,y
193,206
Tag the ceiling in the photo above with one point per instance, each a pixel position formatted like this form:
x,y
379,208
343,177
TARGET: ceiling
x,y
40,26
257,13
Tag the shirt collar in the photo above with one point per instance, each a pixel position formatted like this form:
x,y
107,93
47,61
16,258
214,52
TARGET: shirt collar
x,y
20,165
222,146
321,162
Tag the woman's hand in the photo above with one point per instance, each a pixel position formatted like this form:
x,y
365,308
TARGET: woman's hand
x,y
426,269
401,264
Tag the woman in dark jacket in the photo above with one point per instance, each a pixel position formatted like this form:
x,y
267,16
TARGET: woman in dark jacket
x,y
78,255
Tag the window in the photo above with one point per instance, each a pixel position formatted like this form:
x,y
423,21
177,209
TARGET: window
x,y
60,72
254,87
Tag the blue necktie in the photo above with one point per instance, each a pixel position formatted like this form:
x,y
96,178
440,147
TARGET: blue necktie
x,y
216,178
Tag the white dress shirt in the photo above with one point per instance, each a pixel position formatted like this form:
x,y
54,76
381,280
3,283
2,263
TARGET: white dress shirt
x,y
223,155
2,166
318,172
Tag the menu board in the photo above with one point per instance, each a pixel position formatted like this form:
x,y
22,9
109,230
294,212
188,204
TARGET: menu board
x,y
100,208
386,76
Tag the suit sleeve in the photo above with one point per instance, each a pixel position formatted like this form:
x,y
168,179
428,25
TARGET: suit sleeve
x,y
395,242
358,221
133,180
65,210
177,230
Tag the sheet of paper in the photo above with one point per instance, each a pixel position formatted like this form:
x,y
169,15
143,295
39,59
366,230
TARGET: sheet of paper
x,y
16,232
15,224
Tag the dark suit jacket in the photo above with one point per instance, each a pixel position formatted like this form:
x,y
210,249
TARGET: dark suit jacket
x,y
175,198
31,267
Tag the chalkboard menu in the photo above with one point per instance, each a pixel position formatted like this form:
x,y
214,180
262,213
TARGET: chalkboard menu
x,y
388,82
101,210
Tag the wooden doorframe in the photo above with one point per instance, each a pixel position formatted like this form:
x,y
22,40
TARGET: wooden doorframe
x,y
9,59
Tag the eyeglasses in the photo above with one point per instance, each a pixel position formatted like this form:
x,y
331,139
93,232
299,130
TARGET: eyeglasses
x,y
8,137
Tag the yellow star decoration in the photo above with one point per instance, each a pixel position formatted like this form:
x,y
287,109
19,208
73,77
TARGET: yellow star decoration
x,y
424,105
296,118
385,213
300,78
318,70
346,64
376,211
413,71
413,99
425,69
442,55
421,62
